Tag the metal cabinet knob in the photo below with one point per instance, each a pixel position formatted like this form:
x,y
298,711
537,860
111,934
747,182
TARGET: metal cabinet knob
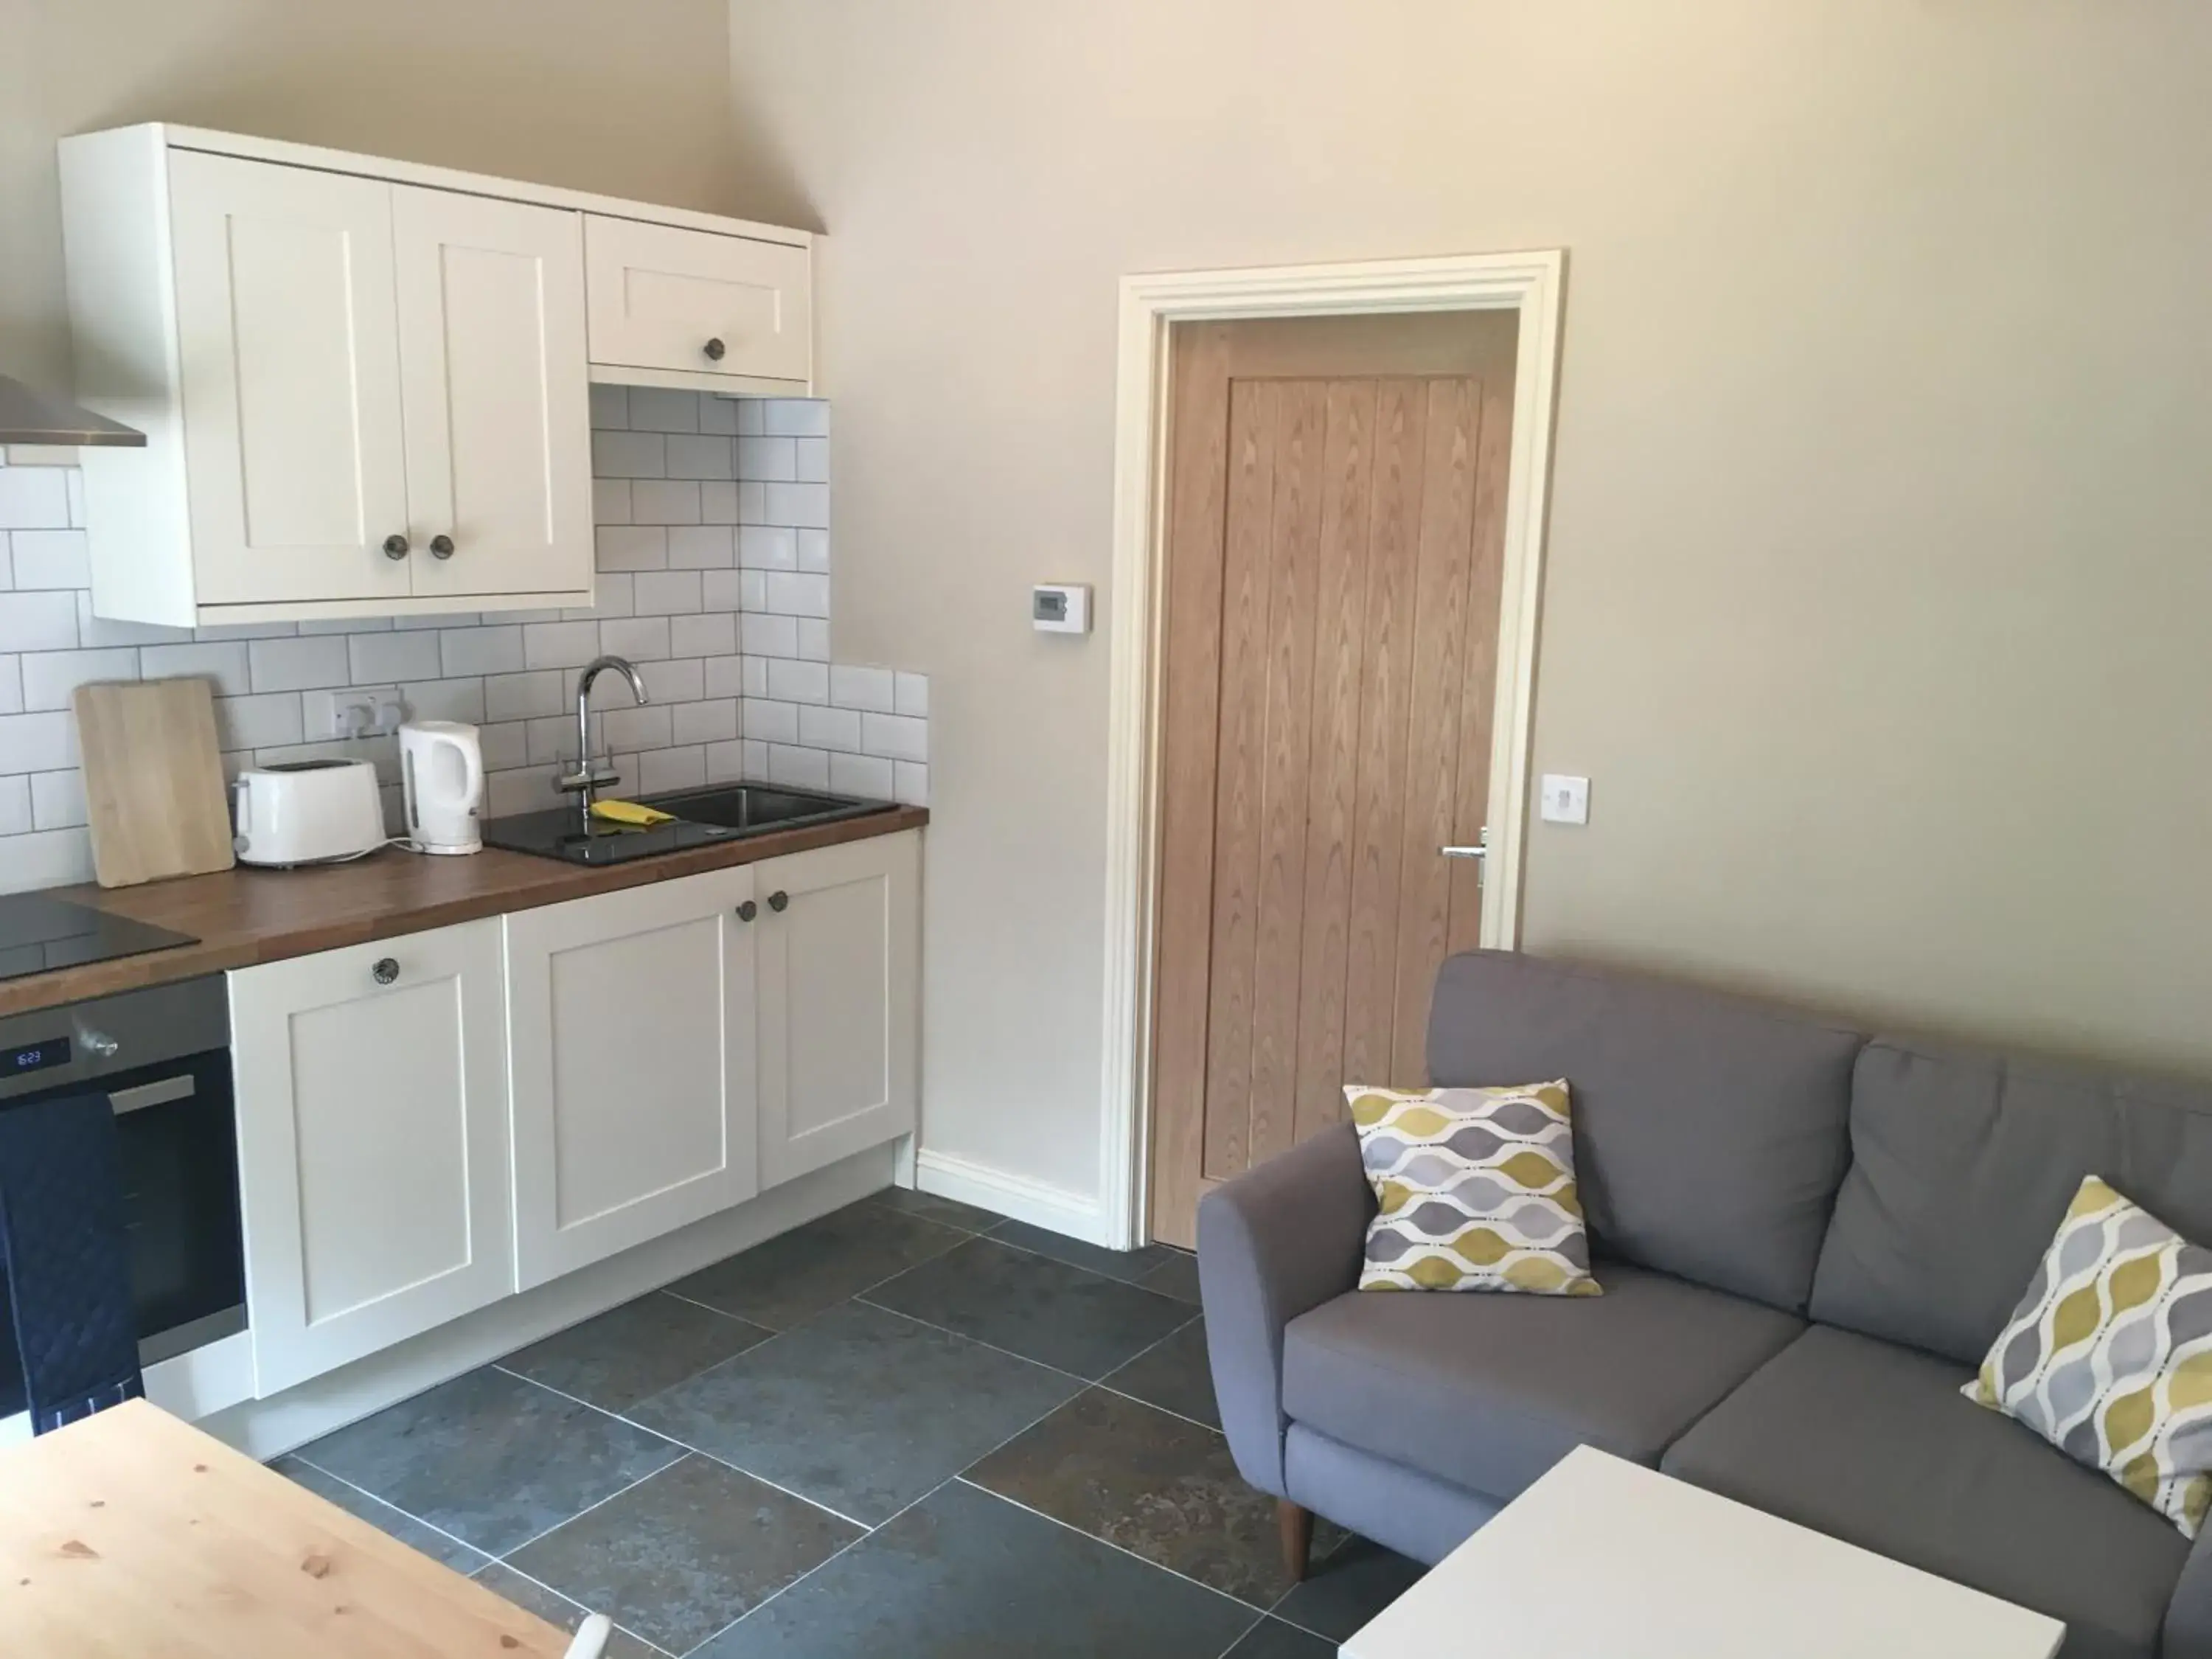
x,y
442,547
386,971
395,547
715,349
778,900
748,910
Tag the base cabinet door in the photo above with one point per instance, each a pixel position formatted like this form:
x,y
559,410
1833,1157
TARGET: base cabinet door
x,y
372,1150
631,1022
839,976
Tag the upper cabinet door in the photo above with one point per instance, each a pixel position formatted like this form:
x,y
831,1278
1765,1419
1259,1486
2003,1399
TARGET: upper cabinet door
x,y
691,302
289,358
492,358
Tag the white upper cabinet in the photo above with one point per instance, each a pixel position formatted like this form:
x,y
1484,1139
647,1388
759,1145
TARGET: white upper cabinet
x,y
682,308
363,382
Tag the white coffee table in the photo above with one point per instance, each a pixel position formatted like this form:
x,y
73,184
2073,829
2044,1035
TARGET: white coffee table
x,y
1607,1559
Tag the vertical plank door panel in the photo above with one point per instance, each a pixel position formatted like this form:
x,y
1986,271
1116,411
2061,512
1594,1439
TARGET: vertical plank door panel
x,y
1478,717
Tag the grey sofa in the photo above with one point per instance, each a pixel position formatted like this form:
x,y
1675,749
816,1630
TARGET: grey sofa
x,y
1808,1237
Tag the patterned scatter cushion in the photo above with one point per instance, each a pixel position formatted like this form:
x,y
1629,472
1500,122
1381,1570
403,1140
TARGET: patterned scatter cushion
x,y
2109,1355
1477,1188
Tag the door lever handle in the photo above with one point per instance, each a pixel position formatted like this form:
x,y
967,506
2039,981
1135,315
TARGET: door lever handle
x,y
1464,851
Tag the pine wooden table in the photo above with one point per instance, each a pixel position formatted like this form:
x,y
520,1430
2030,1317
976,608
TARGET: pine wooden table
x,y
131,1535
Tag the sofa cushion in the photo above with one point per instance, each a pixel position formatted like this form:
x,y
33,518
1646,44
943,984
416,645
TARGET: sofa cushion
x,y
1490,1391
1963,1165
1872,1444
1708,1129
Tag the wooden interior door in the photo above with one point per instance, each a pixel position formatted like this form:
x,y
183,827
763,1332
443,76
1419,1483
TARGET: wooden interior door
x,y
1334,541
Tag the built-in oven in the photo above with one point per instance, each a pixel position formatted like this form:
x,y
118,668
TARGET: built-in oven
x,y
161,1055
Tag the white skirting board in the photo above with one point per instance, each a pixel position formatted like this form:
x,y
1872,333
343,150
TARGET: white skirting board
x,y
195,1386
1041,1205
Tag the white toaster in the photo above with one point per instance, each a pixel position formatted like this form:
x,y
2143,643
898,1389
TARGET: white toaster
x,y
309,811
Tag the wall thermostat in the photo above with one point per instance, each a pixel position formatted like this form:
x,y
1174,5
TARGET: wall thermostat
x,y
1061,609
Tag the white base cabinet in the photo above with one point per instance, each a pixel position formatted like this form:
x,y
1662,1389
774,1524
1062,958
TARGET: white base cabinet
x,y
840,968
630,1023
372,1145
436,1121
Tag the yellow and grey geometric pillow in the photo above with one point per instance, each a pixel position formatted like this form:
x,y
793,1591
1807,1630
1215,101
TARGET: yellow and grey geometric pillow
x,y
1477,1189
2109,1355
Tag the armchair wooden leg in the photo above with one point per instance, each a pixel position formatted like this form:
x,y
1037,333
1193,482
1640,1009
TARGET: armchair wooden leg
x,y
1297,1526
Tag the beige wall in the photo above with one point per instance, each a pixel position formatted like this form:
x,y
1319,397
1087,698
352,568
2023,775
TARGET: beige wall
x,y
1880,607
630,98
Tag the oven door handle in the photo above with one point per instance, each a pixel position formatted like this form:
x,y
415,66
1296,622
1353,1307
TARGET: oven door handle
x,y
160,1092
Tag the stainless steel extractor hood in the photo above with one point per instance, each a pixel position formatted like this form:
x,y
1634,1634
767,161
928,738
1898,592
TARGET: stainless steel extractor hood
x,y
32,418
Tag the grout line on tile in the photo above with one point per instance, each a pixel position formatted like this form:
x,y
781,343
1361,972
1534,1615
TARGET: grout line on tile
x,y
1242,1635
683,1451
1236,1601
698,1451
947,1330
563,1595
1155,1405
354,1486
1137,1284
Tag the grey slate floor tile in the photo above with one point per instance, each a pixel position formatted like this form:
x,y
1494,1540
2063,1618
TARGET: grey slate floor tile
x,y
1347,1587
1032,1305
1129,1266
861,1410
678,1556
1176,1277
1174,1375
796,1275
557,1609
1271,1639
1154,1485
945,1211
634,1350
963,1575
491,1458
423,1539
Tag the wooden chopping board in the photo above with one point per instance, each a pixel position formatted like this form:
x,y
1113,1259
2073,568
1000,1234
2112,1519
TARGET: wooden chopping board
x,y
153,780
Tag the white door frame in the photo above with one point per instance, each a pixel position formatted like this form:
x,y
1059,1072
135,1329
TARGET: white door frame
x,y
1529,283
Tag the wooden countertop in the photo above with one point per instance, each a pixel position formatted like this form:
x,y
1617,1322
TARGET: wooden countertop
x,y
244,916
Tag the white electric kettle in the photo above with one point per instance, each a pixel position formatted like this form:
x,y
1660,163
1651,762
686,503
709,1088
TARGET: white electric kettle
x,y
442,766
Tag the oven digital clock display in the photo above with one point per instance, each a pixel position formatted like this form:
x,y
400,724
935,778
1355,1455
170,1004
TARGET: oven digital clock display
x,y
34,1057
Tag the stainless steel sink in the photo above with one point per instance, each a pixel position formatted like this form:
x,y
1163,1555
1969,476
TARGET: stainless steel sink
x,y
702,817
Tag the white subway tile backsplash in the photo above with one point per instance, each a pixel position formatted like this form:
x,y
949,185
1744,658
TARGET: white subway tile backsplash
x,y
223,661
664,501
49,677
796,417
663,593
896,736
708,634
703,722
702,547
519,697
57,800
258,722
51,558
628,455
559,644
653,409
679,767
38,621
299,665
768,547
823,727
799,682
472,651
860,774
801,768
387,659
772,461
863,688
712,554
33,498
639,638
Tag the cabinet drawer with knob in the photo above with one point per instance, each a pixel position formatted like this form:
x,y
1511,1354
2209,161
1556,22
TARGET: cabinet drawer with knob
x,y
672,306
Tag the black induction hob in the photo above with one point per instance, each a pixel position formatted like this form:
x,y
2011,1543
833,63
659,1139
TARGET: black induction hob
x,y
37,934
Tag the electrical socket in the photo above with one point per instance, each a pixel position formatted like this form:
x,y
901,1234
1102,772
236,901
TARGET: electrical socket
x,y
358,712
